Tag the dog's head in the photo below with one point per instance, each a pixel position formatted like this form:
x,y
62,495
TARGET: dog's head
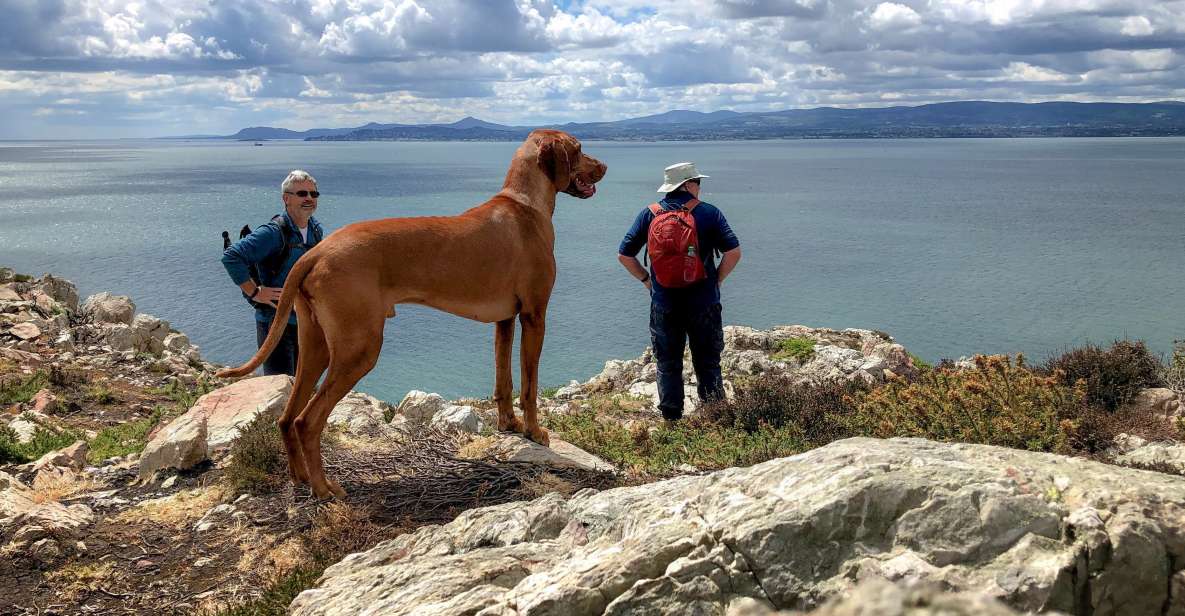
x,y
571,171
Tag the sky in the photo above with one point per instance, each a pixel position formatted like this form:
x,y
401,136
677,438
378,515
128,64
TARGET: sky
x,y
74,69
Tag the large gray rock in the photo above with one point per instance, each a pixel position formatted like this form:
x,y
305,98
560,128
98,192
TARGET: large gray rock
x,y
420,407
61,290
1036,531
107,308
211,425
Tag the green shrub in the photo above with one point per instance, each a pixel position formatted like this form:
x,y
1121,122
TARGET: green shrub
x,y
662,450
17,389
919,363
22,278
997,403
548,392
10,449
44,441
258,460
123,439
776,401
1112,377
801,349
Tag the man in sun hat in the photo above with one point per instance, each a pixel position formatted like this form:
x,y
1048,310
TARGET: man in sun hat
x,y
682,235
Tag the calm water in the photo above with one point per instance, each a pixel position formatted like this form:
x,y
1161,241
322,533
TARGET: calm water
x,y
952,246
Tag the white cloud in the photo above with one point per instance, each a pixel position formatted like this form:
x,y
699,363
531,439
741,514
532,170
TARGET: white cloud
x,y
303,63
892,15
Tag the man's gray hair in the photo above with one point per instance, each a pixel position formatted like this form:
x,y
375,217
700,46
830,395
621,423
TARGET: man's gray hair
x,y
297,175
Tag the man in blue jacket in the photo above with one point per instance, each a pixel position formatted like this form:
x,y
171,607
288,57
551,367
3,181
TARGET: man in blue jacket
x,y
270,251
690,314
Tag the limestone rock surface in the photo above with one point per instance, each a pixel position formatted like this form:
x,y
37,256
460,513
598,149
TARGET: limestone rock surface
x,y
1038,532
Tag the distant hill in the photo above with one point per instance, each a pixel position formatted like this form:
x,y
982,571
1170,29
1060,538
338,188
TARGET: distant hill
x,y
956,119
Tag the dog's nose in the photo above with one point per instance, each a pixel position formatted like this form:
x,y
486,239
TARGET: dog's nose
x,y
599,170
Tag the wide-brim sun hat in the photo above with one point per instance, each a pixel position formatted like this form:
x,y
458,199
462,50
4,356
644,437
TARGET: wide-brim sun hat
x,y
676,174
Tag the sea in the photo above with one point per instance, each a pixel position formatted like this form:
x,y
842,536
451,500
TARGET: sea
x,y
952,246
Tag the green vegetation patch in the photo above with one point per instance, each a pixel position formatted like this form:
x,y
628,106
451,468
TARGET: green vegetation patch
x,y
996,403
662,450
123,439
801,349
17,389
44,441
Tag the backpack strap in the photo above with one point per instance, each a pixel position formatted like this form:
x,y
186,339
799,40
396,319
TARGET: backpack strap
x,y
655,208
276,261
690,205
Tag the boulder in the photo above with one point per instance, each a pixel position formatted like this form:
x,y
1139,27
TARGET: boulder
x,y
515,448
1038,532
25,331
176,343
212,424
120,337
180,445
43,402
8,293
359,413
72,457
1156,400
420,407
149,333
107,308
1133,450
60,290
463,418
228,408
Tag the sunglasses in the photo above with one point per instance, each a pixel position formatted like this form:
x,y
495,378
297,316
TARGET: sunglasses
x,y
304,193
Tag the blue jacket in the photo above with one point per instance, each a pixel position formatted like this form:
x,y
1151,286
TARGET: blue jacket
x,y
262,243
714,234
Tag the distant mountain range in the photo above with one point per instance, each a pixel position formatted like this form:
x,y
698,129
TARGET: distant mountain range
x,y
957,119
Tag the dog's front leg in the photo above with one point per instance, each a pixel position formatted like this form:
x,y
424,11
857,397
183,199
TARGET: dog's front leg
x,y
503,385
534,325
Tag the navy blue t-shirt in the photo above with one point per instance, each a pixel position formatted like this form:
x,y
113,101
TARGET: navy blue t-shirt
x,y
714,234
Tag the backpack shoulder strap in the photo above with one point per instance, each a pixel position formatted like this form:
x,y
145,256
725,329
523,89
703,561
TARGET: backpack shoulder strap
x,y
655,208
690,205
276,261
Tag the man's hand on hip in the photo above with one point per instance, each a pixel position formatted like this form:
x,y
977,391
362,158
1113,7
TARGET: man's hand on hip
x,y
268,295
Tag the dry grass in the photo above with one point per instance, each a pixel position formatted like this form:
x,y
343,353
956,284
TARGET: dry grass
x,y
477,448
53,484
547,483
178,509
73,581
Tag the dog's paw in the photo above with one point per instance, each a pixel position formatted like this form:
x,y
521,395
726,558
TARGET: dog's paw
x,y
539,435
514,424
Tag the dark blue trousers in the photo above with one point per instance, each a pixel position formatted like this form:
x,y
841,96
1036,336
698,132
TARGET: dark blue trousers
x,y
283,357
672,330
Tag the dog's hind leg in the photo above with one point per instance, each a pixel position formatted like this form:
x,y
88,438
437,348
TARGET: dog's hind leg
x,y
534,324
503,384
350,358
310,363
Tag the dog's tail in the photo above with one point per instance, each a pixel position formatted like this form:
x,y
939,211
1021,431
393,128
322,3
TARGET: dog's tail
x,y
279,322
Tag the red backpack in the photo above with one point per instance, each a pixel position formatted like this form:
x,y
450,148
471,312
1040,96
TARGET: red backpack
x,y
673,246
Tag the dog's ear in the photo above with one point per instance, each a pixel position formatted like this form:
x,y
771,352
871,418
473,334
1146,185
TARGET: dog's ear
x,y
556,157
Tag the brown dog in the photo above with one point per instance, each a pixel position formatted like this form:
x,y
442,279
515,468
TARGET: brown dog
x,y
489,264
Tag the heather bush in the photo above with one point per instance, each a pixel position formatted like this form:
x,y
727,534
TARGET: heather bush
x,y
775,401
1112,377
999,402
258,463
